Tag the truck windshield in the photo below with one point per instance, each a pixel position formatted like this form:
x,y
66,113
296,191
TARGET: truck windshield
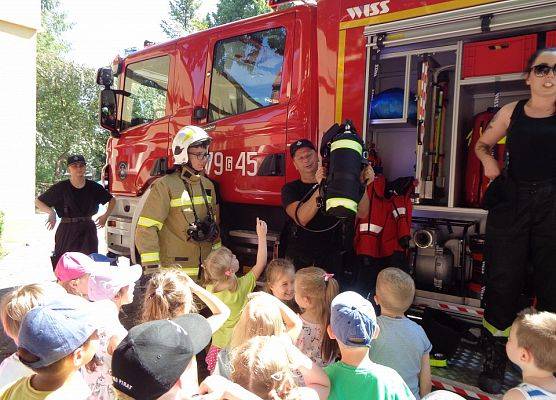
x,y
246,73
147,83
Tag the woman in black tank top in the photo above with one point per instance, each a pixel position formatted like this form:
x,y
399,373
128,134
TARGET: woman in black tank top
x,y
532,146
521,224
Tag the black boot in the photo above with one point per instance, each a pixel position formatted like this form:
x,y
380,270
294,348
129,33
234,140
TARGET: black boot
x,y
494,366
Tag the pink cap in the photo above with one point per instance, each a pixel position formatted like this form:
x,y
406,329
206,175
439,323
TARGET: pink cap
x,y
73,265
107,283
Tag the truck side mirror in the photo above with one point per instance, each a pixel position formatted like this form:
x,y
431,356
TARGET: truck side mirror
x,y
199,113
108,108
105,77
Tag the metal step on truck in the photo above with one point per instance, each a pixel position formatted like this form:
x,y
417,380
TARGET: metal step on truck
x,y
460,372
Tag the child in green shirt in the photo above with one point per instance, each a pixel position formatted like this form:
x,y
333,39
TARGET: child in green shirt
x,y
353,324
220,269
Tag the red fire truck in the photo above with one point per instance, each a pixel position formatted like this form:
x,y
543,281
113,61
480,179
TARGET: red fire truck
x,y
412,75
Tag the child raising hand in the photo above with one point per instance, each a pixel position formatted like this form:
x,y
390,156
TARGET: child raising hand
x,y
221,267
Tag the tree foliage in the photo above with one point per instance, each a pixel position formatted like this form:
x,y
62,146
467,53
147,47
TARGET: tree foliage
x,y
54,25
233,10
181,18
67,103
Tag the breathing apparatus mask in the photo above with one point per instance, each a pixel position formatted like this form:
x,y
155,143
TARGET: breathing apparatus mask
x,y
344,158
205,230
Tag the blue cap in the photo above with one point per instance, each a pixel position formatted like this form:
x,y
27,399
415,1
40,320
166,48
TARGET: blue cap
x,y
353,319
97,257
56,330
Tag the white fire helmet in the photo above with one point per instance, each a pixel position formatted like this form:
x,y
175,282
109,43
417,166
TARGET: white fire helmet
x,y
188,136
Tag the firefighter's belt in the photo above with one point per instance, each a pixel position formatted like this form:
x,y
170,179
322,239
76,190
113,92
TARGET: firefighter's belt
x,y
66,220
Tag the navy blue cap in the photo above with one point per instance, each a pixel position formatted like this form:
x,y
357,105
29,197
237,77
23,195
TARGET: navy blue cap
x,y
299,144
75,159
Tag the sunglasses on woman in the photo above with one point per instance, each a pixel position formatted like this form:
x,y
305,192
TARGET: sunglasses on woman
x,y
543,70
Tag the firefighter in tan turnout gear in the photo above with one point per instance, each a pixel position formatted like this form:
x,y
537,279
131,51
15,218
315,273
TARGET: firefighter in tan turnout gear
x,y
178,225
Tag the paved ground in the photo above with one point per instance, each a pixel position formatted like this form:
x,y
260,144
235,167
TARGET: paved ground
x,y
29,262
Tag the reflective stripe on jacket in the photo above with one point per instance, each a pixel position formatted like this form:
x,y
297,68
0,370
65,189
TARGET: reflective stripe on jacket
x,y
389,221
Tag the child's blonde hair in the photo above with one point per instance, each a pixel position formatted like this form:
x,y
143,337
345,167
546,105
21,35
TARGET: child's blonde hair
x,y
17,303
262,366
320,288
216,265
260,317
276,269
396,289
536,332
167,296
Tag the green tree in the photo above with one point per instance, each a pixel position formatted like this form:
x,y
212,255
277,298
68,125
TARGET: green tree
x,y
54,24
67,107
233,10
67,103
181,19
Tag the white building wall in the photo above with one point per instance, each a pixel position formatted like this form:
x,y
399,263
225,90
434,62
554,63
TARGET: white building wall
x,y
19,22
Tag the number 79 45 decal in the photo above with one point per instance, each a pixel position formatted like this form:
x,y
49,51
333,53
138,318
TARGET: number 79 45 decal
x,y
245,162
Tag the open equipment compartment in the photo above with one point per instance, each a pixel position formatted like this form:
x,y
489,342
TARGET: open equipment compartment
x,y
400,48
440,162
448,264
393,116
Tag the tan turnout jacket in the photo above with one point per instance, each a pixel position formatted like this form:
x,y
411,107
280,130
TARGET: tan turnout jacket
x,y
161,233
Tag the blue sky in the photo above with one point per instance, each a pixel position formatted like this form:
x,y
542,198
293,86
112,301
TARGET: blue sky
x,y
103,28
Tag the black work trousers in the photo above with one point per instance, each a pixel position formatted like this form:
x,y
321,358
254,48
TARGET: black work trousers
x,y
520,236
78,236
369,268
330,259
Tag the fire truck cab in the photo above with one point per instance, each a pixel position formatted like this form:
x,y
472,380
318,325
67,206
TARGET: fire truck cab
x,y
411,75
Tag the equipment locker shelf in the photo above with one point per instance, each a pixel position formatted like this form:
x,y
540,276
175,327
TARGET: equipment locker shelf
x,y
396,137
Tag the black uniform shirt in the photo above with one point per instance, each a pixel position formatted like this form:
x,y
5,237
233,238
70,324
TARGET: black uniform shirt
x,y
71,202
300,239
532,146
